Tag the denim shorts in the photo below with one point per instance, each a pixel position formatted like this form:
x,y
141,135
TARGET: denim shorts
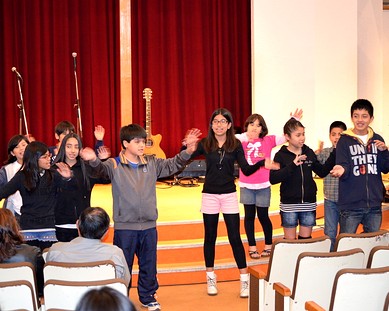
x,y
258,197
293,219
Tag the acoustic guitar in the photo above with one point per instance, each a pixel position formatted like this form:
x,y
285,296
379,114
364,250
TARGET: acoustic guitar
x,y
152,141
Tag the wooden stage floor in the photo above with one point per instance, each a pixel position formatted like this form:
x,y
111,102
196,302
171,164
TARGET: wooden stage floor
x,y
178,204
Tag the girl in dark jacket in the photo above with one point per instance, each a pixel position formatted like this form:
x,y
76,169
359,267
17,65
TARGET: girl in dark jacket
x,y
298,188
71,203
37,183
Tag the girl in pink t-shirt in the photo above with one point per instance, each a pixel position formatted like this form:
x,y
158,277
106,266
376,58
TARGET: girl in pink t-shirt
x,y
255,189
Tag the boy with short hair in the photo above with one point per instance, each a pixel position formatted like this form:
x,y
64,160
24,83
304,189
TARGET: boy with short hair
x,y
64,128
133,176
331,185
61,130
361,157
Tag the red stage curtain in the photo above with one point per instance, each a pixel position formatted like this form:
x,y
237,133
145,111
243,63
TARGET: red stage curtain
x,y
195,55
38,37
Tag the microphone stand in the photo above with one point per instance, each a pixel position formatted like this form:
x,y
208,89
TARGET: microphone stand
x,y
77,104
22,112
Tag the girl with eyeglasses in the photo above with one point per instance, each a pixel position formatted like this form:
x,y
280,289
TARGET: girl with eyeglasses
x,y
221,150
37,184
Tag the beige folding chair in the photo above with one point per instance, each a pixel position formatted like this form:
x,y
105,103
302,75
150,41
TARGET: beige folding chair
x,y
357,290
314,277
281,268
386,306
66,294
20,271
379,257
17,295
86,271
365,241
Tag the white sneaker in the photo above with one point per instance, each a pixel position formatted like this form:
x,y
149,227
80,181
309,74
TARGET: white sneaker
x,y
152,306
211,286
244,289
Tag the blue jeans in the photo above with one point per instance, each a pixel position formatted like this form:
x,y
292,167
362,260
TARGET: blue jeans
x,y
331,220
293,219
370,218
143,244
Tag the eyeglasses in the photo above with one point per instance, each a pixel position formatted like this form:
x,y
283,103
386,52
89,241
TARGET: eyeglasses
x,y
222,121
46,156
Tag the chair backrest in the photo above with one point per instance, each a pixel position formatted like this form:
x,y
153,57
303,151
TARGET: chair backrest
x,y
315,274
17,295
45,252
283,260
20,271
365,241
86,271
386,306
66,294
360,289
379,257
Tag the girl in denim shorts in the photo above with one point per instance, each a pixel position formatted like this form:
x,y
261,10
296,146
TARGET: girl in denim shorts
x,y
298,188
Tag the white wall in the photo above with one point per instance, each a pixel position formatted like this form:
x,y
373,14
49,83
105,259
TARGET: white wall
x,y
317,55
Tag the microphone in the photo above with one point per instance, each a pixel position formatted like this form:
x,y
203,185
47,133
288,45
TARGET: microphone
x,y
74,54
19,76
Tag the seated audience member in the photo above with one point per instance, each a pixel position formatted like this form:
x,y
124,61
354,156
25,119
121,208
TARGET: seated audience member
x,y
92,226
104,299
12,248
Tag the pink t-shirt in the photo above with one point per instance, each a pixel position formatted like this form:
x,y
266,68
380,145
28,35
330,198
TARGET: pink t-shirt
x,y
257,150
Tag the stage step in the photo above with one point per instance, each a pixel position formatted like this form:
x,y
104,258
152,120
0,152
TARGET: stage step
x,y
180,256
181,261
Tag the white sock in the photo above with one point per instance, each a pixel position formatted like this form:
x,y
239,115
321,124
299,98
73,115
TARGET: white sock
x,y
211,274
244,277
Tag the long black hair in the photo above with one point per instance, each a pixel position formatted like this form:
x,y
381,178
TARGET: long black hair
x,y
13,142
30,167
211,143
61,156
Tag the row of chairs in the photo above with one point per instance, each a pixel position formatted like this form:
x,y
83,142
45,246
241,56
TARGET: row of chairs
x,y
65,284
305,270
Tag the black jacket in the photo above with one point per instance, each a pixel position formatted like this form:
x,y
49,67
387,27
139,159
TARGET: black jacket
x,y
297,183
71,202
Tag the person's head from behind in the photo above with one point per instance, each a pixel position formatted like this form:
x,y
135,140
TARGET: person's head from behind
x,y
104,299
93,223
62,129
10,235
336,129
362,114
294,133
255,126
16,146
70,148
133,139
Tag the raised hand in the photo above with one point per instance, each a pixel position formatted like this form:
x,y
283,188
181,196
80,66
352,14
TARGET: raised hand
x,y
191,139
298,114
88,154
64,170
99,132
103,152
